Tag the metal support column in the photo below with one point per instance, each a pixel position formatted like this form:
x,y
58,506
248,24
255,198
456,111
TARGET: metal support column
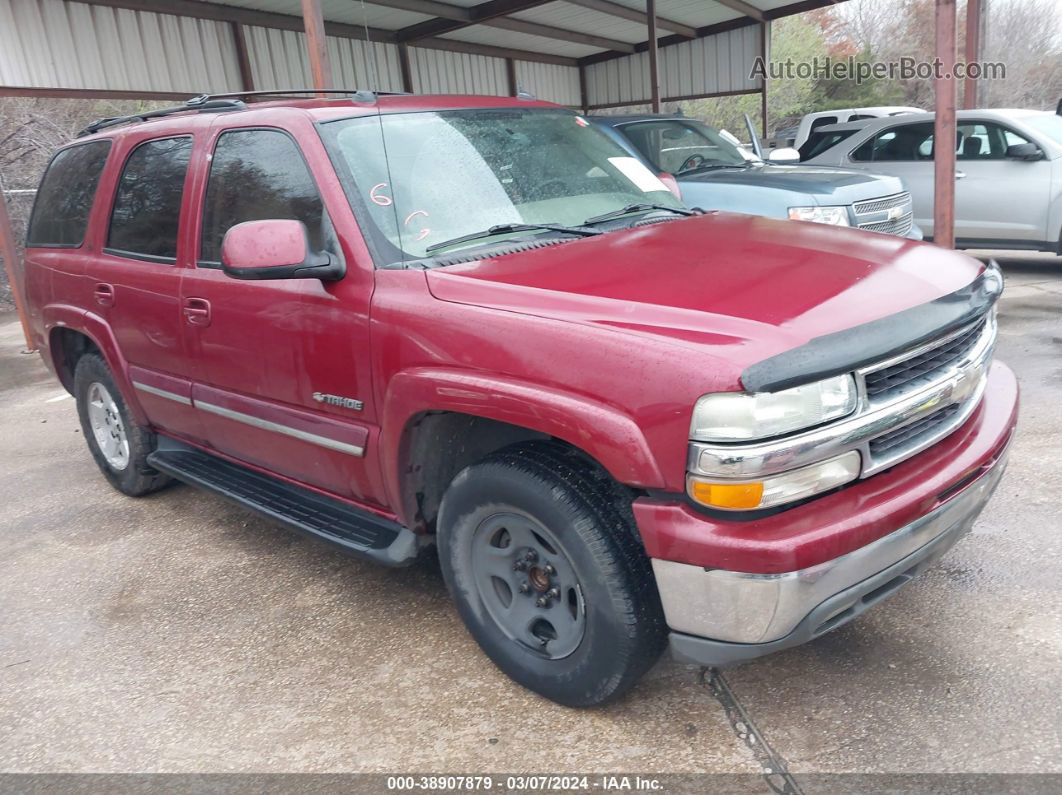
x,y
654,74
974,18
10,254
317,44
944,129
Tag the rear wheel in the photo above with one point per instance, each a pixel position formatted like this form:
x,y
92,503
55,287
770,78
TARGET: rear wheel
x,y
119,446
539,550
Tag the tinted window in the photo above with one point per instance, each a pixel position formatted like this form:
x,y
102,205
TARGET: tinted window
x,y
147,207
256,175
819,142
65,195
907,142
679,146
822,121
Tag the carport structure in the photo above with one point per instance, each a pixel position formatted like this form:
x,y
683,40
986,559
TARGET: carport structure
x,y
587,54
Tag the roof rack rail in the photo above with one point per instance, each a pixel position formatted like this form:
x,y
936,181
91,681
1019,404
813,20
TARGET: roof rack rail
x,y
359,94
201,106
219,103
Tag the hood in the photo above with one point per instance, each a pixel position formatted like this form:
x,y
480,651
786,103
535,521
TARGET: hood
x,y
744,287
836,185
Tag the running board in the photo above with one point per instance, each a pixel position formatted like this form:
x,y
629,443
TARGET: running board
x,y
358,532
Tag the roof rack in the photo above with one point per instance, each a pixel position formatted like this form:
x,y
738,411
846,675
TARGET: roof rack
x,y
358,94
220,103
204,106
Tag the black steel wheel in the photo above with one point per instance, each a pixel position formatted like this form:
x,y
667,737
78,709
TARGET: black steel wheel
x,y
528,584
539,550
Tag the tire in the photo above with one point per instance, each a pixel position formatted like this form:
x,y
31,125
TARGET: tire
x,y
120,447
604,626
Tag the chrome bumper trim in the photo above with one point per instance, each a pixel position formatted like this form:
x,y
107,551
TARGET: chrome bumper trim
x,y
738,607
962,383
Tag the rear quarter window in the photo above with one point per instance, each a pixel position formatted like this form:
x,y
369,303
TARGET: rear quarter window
x,y
64,198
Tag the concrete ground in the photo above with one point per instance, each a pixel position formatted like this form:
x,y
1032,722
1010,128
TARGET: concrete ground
x,y
181,633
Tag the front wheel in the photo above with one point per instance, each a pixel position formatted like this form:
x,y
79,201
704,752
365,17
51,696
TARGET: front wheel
x,y
540,553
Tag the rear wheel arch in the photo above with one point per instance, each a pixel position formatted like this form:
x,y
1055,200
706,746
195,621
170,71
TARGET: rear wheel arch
x,y
66,347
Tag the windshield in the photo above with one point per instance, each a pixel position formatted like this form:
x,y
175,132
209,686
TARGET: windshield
x,y
429,177
678,145
1048,123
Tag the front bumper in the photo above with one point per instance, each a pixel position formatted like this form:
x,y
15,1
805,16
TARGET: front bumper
x,y
730,590
776,612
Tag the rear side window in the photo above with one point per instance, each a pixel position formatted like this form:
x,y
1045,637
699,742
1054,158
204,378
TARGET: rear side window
x,y
65,196
147,207
906,142
256,175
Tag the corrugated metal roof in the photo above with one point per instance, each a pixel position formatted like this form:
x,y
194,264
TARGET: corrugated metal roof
x,y
78,44
74,45
711,65
496,37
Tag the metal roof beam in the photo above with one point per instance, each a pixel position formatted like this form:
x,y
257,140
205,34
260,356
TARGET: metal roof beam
x,y
478,14
709,30
463,14
244,16
491,51
561,34
743,8
634,15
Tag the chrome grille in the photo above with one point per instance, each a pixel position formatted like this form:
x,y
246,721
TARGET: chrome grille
x,y
898,226
880,205
881,383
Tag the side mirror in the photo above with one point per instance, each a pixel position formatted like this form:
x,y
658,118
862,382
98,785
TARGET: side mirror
x,y
1025,151
784,154
275,249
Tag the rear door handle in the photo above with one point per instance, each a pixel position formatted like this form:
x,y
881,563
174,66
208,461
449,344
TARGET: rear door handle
x,y
104,294
960,174
197,311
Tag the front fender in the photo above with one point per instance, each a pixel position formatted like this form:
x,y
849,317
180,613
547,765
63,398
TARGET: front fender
x,y
611,437
56,316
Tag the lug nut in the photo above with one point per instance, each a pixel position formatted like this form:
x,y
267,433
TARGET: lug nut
x,y
519,566
548,568
542,602
524,587
553,593
531,556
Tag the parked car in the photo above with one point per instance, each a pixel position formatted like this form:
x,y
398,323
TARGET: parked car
x,y
1008,189
813,121
622,423
709,171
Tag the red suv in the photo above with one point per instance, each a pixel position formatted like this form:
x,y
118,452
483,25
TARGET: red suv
x,y
478,324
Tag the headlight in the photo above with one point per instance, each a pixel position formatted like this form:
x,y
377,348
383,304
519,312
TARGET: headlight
x,y
798,484
835,216
740,416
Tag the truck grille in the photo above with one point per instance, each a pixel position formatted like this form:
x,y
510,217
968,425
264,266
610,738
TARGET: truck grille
x,y
914,433
890,215
899,226
880,205
880,384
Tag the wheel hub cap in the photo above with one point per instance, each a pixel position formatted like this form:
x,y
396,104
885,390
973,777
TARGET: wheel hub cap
x,y
107,427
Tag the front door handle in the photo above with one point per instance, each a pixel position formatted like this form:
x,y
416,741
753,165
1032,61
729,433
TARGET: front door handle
x,y
197,311
104,294
960,174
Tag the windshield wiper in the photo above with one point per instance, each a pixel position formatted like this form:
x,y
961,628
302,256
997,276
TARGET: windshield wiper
x,y
506,229
638,208
713,166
